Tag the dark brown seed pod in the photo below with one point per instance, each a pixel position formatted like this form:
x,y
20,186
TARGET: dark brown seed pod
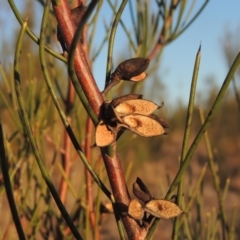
x,y
143,125
160,120
142,186
121,99
132,69
162,209
136,106
103,135
135,210
141,195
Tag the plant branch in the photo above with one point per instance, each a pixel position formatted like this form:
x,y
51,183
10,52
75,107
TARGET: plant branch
x,y
67,125
199,136
186,136
31,34
111,41
7,184
110,157
81,65
31,137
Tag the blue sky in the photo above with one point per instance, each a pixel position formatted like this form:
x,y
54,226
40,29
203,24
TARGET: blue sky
x,y
177,63
208,29
178,58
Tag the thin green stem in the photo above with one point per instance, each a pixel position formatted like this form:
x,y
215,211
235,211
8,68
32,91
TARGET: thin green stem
x,y
64,119
124,27
174,36
195,192
71,68
232,224
186,136
111,41
180,15
31,34
215,179
94,23
199,136
8,187
204,127
29,132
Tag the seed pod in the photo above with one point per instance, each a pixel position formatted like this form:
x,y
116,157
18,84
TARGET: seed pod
x,y
106,207
143,125
136,106
143,196
132,69
135,209
160,120
162,209
103,135
121,99
141,190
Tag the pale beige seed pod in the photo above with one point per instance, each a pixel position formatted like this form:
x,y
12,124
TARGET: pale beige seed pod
x,y
103,135
162,209
143,125
121,99
135,209
136,106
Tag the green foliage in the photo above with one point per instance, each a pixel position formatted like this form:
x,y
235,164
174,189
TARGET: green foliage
x,y
32,130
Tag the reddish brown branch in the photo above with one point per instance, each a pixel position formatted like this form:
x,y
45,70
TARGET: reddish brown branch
x,y
117,181
161,42
95,98
82,68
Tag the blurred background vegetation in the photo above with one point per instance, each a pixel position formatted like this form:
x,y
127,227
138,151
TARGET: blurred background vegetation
x,y
155,160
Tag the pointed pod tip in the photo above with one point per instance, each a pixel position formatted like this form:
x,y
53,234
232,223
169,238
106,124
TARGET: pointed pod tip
x,y
200,46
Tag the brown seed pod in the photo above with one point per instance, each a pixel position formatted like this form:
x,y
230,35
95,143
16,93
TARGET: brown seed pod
x,y
121,99
139,77
132,69
135,209
103,135
136,106
160,120
162,209
143,125
143,196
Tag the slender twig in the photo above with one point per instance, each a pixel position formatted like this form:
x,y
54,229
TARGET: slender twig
x,y
31,34
71,58
111,41
67,125
204,127
7,184
88,179
163,39
186,136
95,98
177,34
66,163
124,27
82,68
94,23
232,233
215,180
195,191
32,140
199,136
